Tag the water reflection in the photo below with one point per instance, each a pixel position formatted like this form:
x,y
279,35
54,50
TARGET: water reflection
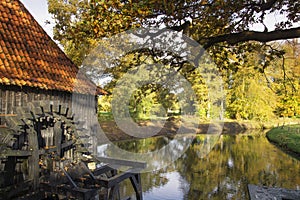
x,y
175,188
157,152
234,162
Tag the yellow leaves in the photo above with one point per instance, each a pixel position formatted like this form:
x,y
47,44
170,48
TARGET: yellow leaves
x,y
118,22
143,12
105,6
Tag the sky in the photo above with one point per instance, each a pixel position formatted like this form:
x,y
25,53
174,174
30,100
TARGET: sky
x,y
39,10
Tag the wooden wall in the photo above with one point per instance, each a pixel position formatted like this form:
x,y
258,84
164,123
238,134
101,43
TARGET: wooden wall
x,y
83,106
13,96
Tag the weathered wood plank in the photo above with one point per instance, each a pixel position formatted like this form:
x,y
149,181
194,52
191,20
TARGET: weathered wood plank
x,y
67,144
110,182
58,132
137,186
7,115
33,168
73,184
101,170
15,153
114,192
121,162
265,193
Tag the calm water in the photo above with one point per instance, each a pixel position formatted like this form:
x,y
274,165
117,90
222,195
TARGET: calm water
x,y
233,162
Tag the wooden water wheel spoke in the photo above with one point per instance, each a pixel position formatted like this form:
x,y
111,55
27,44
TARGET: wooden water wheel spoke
x,y
42,136
13,123
37,127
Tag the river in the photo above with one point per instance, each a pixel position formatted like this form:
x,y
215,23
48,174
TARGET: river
x,y
223,172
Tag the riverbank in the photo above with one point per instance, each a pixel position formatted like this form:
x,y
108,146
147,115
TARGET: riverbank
x,y
286,137
172,125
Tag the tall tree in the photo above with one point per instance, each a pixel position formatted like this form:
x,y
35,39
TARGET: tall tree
x,y
222,27
285,73
249,94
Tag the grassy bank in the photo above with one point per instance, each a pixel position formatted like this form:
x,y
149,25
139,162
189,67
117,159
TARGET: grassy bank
x,y
287,137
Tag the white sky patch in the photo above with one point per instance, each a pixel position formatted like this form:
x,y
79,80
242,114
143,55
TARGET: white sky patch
x,y
270,21
39,10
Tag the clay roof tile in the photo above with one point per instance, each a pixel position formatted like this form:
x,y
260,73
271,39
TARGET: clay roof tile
x,y
29,57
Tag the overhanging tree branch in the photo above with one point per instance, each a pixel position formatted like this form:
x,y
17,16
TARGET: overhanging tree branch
x,y
263,6
268,5
235,38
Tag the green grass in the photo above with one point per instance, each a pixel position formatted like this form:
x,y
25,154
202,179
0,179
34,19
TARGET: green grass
x,y
287,137
105,116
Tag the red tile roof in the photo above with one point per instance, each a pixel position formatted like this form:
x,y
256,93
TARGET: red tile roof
x,y
29,57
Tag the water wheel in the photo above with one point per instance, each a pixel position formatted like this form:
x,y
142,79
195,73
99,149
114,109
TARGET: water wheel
x,y
44,155
37,138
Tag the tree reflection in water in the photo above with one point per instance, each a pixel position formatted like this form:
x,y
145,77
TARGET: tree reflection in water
x,y
234,162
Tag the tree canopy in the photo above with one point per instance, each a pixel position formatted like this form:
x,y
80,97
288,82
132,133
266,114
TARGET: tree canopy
x,y
209,22
260,74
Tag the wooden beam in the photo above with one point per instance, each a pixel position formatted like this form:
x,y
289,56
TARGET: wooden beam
x,y
69,178
114,192
110,182
15,153
33,160
122,162
58,132
137,186
87,170
101,170
67,144
113,183
7,115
